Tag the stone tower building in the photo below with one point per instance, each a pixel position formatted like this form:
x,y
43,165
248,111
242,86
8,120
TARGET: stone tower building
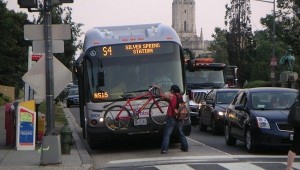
x,y
183,22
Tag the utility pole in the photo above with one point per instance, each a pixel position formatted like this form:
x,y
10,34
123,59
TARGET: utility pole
x,y
50,117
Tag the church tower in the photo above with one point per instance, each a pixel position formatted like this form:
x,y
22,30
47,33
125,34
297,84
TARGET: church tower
x,y
183,22
183,17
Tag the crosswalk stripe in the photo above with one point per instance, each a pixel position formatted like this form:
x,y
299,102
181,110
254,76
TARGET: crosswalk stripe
x,y
174,166
240,166
295,165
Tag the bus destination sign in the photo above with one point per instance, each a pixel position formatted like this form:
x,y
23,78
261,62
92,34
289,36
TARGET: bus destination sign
x,y
142,48
135,49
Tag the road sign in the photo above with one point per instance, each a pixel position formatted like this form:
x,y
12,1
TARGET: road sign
x,y
39,46
36,57
36,32
36,77
273,61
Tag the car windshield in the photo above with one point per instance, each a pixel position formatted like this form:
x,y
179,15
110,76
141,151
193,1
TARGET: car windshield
x,y
273,100
73,92
225,97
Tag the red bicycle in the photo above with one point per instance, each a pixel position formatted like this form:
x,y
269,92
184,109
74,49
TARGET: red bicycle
x,y
118,117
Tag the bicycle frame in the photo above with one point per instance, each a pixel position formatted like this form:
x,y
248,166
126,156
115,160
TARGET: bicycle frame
x,y
137,112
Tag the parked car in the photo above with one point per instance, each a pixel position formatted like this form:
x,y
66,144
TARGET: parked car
x,y
253,119
212,110
73,97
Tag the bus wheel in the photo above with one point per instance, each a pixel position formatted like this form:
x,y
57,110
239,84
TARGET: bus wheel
x,y
114,120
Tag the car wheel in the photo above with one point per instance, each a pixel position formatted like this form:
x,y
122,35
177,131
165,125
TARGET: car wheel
x,y
202,127
68,105
249,142
228,138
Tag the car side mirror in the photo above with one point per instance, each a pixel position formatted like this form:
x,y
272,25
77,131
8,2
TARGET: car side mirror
x,y
191,65
240,107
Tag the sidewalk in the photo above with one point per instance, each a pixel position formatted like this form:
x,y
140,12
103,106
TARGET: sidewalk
x,y
11,159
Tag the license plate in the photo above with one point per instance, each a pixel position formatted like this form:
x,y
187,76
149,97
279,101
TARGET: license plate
x,y
141,121
291,136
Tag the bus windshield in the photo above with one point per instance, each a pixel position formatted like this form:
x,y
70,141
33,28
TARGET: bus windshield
x,y
125,72
205,76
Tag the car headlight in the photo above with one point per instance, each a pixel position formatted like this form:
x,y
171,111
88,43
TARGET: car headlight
x,y
262,123
221,113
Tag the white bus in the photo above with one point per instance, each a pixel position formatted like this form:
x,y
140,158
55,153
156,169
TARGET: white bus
x,y
121,60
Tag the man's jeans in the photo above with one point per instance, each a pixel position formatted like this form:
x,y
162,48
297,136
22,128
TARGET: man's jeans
x,y
170,124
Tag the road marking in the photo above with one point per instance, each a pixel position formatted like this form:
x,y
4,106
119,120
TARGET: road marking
x,y
207,146
240,166
295,164
174,166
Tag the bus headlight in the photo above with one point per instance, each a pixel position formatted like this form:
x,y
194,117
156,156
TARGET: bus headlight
x,y
101,120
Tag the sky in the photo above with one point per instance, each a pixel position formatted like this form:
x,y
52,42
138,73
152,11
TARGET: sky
x,y
95,13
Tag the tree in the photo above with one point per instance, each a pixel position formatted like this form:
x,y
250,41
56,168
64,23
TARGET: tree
x,y
240,38
287,32
13,51
218,46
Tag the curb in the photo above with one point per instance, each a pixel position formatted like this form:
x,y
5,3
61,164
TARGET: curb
x,y
86,160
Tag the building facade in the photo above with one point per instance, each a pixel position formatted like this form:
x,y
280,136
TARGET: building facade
x,y
184,23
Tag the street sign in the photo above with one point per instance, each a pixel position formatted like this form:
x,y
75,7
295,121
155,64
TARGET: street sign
x,y
36,57
273,61
36,77
39,46
36,32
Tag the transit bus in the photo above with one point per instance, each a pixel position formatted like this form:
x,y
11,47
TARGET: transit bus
x,y
118,61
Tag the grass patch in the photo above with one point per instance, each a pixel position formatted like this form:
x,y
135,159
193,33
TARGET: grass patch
x,y
60,118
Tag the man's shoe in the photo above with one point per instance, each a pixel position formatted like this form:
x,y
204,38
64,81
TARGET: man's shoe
x,y
184,150
163,152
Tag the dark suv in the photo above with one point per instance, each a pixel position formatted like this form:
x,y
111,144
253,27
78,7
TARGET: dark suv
x,y
212,111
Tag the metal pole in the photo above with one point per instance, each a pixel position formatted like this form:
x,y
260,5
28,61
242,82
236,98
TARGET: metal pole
x,y
273,39
49,68
52,155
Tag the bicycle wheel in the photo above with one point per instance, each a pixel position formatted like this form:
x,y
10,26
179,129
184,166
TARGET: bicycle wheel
x,y
115,121
156,115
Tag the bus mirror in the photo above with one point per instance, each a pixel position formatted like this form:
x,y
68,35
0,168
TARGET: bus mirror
x,y
191,65
101,79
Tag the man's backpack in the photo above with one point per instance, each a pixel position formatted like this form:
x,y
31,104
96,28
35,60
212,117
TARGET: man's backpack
x,y
294,114
181,110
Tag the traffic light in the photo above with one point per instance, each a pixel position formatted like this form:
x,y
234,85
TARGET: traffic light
x,y
28,3
59,2
66,1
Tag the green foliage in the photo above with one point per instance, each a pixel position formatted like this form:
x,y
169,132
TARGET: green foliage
x,y
240,45
287,33
4,99
218,46
258,83
13,51
58,112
